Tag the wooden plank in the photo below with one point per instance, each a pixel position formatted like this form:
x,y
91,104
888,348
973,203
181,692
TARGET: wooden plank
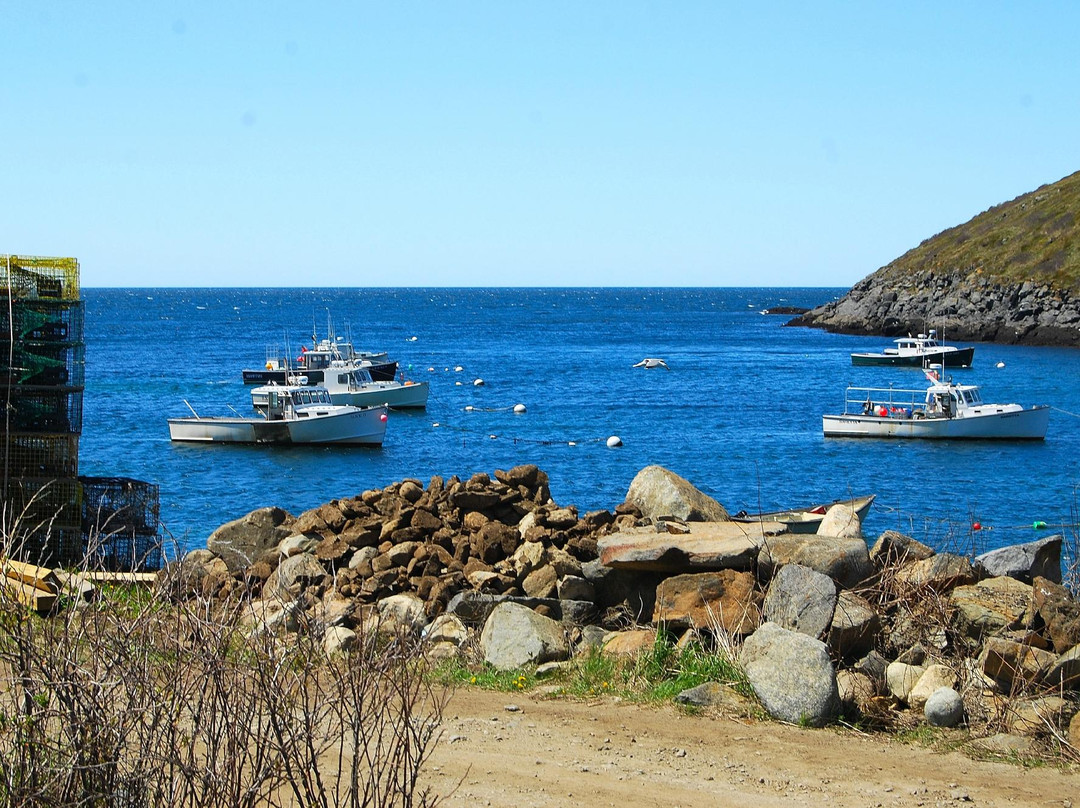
x,y
146,578
28,595
74,584
38,577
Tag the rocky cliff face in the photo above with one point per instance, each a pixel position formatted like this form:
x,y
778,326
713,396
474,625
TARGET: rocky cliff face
x,y
1011,274
961,306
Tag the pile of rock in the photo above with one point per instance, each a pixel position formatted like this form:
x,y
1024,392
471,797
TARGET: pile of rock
x,y
824,622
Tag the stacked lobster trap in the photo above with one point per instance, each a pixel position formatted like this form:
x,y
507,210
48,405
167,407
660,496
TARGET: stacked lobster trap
x,y
50,515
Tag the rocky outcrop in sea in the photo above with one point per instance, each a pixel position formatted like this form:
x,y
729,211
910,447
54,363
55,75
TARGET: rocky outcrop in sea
x,y
961,305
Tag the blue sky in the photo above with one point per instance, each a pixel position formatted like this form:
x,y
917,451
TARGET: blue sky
x,y
520,144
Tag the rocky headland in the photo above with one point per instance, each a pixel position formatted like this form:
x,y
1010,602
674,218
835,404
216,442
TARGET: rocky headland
x,y
1010,275
825,625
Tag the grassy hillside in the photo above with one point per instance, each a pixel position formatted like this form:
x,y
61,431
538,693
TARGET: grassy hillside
x,y
1035,237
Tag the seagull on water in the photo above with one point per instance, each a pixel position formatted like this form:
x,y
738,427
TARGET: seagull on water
x,y
652,363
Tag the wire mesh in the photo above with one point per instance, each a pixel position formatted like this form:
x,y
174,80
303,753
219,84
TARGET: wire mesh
x,y
42,409
43,320
45,544
34,501
120,505
42,363
37,455
35,277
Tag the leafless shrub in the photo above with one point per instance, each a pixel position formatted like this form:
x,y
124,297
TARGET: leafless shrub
x,y
131,700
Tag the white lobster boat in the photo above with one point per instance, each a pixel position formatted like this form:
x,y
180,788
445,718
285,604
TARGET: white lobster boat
x,y
350,383
944,410
293,414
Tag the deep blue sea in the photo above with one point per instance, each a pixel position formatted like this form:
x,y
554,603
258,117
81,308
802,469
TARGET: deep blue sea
x,y
738,414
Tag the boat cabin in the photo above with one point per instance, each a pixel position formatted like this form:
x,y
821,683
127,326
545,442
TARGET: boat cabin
x,y
293,401
914,345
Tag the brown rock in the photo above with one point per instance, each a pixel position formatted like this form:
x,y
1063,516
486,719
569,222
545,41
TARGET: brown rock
x,y
941,573
629,643
1058,612
1008,661
708,546
893,547
540,583
425,521
727,599
659,492
854,625
843,558
324,519
474,521
990,607
332,549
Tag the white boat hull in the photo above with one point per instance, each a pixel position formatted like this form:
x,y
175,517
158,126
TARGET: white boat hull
x,y
1008,424
350,426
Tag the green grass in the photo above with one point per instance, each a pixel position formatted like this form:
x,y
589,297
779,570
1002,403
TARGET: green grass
x,y
655,676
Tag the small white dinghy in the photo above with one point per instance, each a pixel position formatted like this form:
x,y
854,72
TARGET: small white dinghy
x,y
945,410
294,414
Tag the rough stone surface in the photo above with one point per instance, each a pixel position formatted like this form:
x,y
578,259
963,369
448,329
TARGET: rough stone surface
x,y
893,547
1065,671
1008,661
1060,614
338,640
446,628
989,607
515,636
658,492
845,560
900,678
841,521
933,679
792,675
293,571
801,599
1027,561
854,626
944,708
707,546
1036,716
727,600
718,695
629,643
857,690
404,612
940,572
243,541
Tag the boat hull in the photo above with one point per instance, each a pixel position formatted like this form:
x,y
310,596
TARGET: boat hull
x,y
807,520
1027,424
960,358
355,427
380,372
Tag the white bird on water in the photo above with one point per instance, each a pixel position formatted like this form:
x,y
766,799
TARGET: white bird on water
x,y
652,363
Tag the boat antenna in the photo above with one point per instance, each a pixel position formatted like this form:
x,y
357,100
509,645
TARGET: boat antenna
x,y
191,408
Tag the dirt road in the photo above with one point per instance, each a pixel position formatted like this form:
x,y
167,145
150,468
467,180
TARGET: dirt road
x,y
544,753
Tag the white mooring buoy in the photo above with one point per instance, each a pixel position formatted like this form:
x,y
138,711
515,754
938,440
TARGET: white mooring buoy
x,y
478,382
519,409
614,441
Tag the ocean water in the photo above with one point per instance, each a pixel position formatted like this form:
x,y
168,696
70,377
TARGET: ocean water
x,y
738,413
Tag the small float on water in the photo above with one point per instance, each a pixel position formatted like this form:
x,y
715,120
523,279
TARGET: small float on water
x,y
944,410
294,414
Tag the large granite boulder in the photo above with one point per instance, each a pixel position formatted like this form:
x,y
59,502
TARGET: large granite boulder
x,y
854,627
801,599
1026,561
940,573
893,547
704,546
989,607
725,600
792,675
292,575
658,492
845,560
242,541
842,521
515,636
